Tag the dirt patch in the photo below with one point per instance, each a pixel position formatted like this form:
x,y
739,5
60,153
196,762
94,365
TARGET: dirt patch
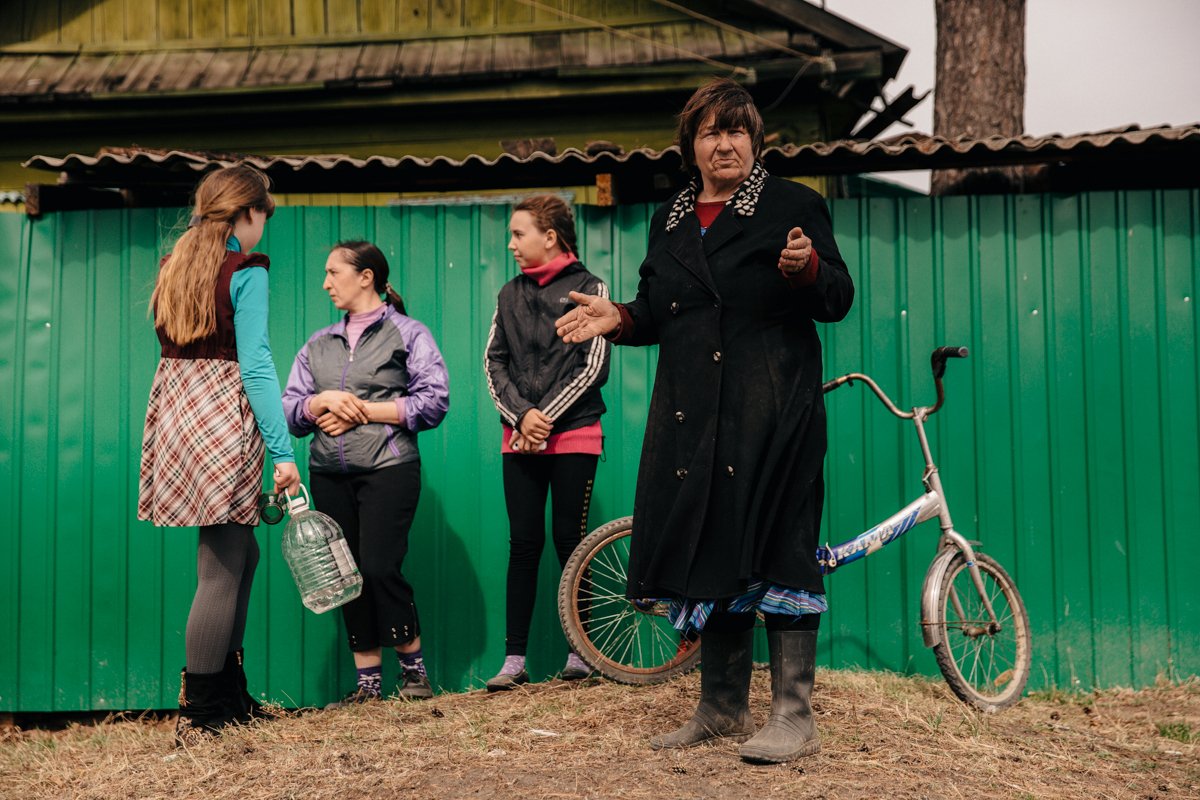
x,y
882,736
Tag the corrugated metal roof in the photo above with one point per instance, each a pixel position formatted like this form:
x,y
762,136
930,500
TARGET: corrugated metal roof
x,y
922,151
134,166
487,57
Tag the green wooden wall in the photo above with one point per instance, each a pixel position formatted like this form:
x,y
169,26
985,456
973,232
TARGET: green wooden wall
x,y
1069,442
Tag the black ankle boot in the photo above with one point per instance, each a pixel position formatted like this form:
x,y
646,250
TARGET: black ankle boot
x,y
790,731
724,709
206,706
235,676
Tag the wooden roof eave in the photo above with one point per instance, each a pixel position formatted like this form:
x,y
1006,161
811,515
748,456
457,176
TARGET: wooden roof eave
x,y
563,84
856,65
834,29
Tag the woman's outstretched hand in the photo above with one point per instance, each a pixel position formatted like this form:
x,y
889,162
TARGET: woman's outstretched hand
x,y
798,252
592,316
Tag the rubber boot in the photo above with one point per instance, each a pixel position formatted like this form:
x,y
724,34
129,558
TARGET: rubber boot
x,y
790,731
235,676
206,706
724,709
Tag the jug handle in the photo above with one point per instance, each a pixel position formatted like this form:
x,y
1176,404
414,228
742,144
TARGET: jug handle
x,y
298,502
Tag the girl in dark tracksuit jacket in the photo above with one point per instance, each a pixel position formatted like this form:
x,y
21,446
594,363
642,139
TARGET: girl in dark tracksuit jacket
x,y
548,396
364,387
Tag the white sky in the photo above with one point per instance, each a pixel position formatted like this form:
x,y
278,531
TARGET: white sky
x,y
1090,65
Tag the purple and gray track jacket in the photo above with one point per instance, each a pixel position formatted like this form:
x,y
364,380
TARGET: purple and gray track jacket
x,y
394,357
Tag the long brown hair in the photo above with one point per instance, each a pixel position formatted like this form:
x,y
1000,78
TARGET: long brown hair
x,y
364,255
184,300
551,213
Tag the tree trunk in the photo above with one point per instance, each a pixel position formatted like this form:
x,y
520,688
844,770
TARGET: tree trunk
x,y
980,85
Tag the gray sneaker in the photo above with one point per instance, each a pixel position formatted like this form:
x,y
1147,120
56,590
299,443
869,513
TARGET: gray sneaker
x,y
505,681
356,697
414,686
576,669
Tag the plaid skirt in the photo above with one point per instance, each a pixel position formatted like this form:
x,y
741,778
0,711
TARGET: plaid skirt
x,y
202,454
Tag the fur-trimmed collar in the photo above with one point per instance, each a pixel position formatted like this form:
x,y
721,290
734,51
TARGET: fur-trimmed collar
x,y
744,200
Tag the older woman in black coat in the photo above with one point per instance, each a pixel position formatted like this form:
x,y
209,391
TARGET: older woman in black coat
x,y
729,493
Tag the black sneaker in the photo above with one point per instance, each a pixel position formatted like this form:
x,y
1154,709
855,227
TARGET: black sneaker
x,y
356,697
414,685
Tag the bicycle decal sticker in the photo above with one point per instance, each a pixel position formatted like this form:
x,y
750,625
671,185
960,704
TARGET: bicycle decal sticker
x,y
885,533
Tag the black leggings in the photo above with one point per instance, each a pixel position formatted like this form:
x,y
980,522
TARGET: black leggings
x,y
225,561
527,479
375,510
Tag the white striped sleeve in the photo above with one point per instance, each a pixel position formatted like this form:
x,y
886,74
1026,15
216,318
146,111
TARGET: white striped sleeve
x,y
505,412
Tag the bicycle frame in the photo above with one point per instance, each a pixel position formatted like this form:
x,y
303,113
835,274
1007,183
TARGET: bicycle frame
x,y
931,504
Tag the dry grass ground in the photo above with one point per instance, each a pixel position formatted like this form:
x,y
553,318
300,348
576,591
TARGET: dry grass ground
x,y
882,736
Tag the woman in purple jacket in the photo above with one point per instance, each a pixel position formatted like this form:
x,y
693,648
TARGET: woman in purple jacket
x,y
363,387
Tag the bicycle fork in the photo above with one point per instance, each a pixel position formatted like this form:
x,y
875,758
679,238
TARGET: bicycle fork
x,y
952,542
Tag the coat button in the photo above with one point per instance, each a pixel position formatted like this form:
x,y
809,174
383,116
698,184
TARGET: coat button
x,y
730,471
680,416
681,473
717,356
674,308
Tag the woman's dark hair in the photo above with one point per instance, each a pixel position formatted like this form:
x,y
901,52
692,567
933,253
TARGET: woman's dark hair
x,y
364,255
730,105
551,213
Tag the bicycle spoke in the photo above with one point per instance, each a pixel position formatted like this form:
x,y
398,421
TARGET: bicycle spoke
x,y
614,643
638,640
973,617
619,614
670,643
957,605
605,621
608,571
608,629
639,649
609,597
625,642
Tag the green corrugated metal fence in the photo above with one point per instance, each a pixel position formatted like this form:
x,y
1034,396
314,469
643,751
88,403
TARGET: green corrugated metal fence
x,y
1068,443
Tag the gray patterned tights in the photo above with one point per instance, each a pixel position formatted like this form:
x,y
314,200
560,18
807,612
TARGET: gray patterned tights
x,y
225,563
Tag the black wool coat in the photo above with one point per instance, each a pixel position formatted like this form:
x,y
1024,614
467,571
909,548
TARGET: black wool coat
x,y
730,484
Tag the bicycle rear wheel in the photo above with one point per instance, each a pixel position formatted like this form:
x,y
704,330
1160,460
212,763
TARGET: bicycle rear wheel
x,y
628,641
986,663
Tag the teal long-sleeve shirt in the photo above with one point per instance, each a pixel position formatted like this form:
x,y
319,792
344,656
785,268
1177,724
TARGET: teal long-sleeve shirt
x,y
250,296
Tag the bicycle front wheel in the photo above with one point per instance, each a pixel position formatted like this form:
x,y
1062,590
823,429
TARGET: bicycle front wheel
x,y
985,662
628,641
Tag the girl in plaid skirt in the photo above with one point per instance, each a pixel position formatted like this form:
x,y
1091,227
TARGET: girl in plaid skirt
x,y
213,406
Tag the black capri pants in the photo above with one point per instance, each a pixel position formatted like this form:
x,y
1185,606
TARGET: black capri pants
x,y
375,510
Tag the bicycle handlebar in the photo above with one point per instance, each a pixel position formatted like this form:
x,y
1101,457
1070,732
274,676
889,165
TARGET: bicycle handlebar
x,y
937,360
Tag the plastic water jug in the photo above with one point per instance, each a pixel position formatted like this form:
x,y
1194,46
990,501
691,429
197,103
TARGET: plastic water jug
x,y
318,556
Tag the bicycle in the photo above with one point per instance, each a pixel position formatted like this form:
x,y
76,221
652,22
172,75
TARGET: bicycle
x,y
971,612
